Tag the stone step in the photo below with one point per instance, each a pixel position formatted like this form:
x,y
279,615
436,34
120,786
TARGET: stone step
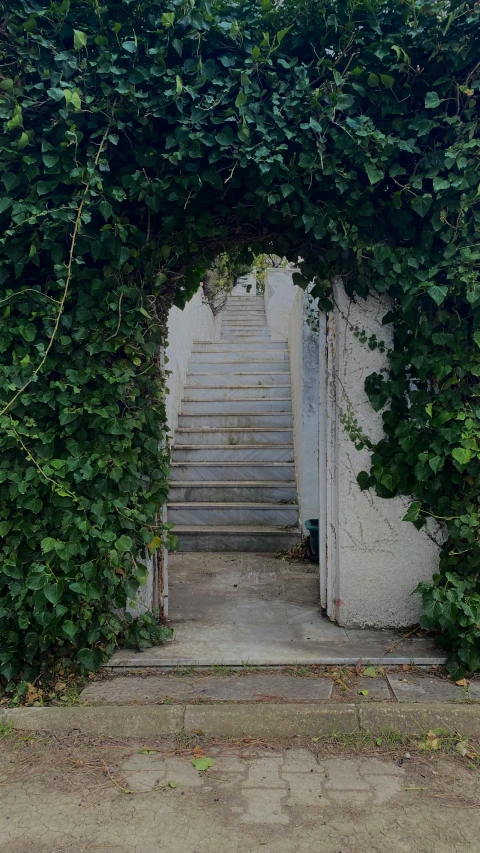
x,y
239,514
235,406
245,325
249,329
235,346
228,420
238,367
252,340
260,379
233,437
262,540
229,453
242,392
230,471
251,492
243,314
252,336
240,356
251,298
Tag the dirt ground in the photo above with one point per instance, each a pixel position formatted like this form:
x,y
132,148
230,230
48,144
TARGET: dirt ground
x,y
74,795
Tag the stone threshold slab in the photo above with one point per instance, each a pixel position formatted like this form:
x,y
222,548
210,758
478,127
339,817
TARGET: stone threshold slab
x,y
247,720
142,660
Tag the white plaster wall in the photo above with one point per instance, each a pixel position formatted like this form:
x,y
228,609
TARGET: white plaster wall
x,y
303,345
279,296
245,282
381,558
195,323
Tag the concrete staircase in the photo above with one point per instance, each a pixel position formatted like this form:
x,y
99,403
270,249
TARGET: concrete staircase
x,y
232,480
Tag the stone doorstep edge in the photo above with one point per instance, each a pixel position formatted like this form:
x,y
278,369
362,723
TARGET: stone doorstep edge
x,y
275,721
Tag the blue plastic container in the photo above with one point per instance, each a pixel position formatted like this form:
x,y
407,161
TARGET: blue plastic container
x,y
313,550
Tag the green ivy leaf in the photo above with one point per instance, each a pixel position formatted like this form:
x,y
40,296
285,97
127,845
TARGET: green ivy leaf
x,y
413,512
225,137
363,480
79,39
69,629
241,99
387,80
106,209
462,455
89,658
124,543
438,292
421,204
432,100
374,175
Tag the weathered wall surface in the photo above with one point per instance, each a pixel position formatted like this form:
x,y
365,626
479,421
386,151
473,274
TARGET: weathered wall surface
x,y
279,296
246,285
381,558
303,343
195,323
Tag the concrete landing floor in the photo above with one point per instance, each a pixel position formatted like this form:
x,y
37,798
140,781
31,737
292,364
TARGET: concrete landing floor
x,y
239,609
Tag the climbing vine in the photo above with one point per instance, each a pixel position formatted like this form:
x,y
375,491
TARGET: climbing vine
x,y
139,141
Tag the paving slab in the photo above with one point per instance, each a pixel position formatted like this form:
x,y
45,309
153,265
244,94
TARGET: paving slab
x,y
234,688
239,688
410,687
474,691
377,689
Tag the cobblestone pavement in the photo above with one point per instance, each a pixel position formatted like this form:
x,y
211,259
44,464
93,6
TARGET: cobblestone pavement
x,y
57,799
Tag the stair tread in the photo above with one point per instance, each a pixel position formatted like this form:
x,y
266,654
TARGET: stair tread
x,y
228,447
227,528
239,387
235,504
221,464
242,400
235,429
232,483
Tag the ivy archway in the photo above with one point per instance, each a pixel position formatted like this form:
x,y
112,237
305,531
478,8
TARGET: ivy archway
x,y
138,140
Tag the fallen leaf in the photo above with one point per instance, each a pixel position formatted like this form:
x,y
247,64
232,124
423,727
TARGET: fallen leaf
x,y
202,764
461,747
358,667
363,692
433,741
379,741
462,682
32,695
405,667
370,672
173,784
147,750
198,752
315,739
